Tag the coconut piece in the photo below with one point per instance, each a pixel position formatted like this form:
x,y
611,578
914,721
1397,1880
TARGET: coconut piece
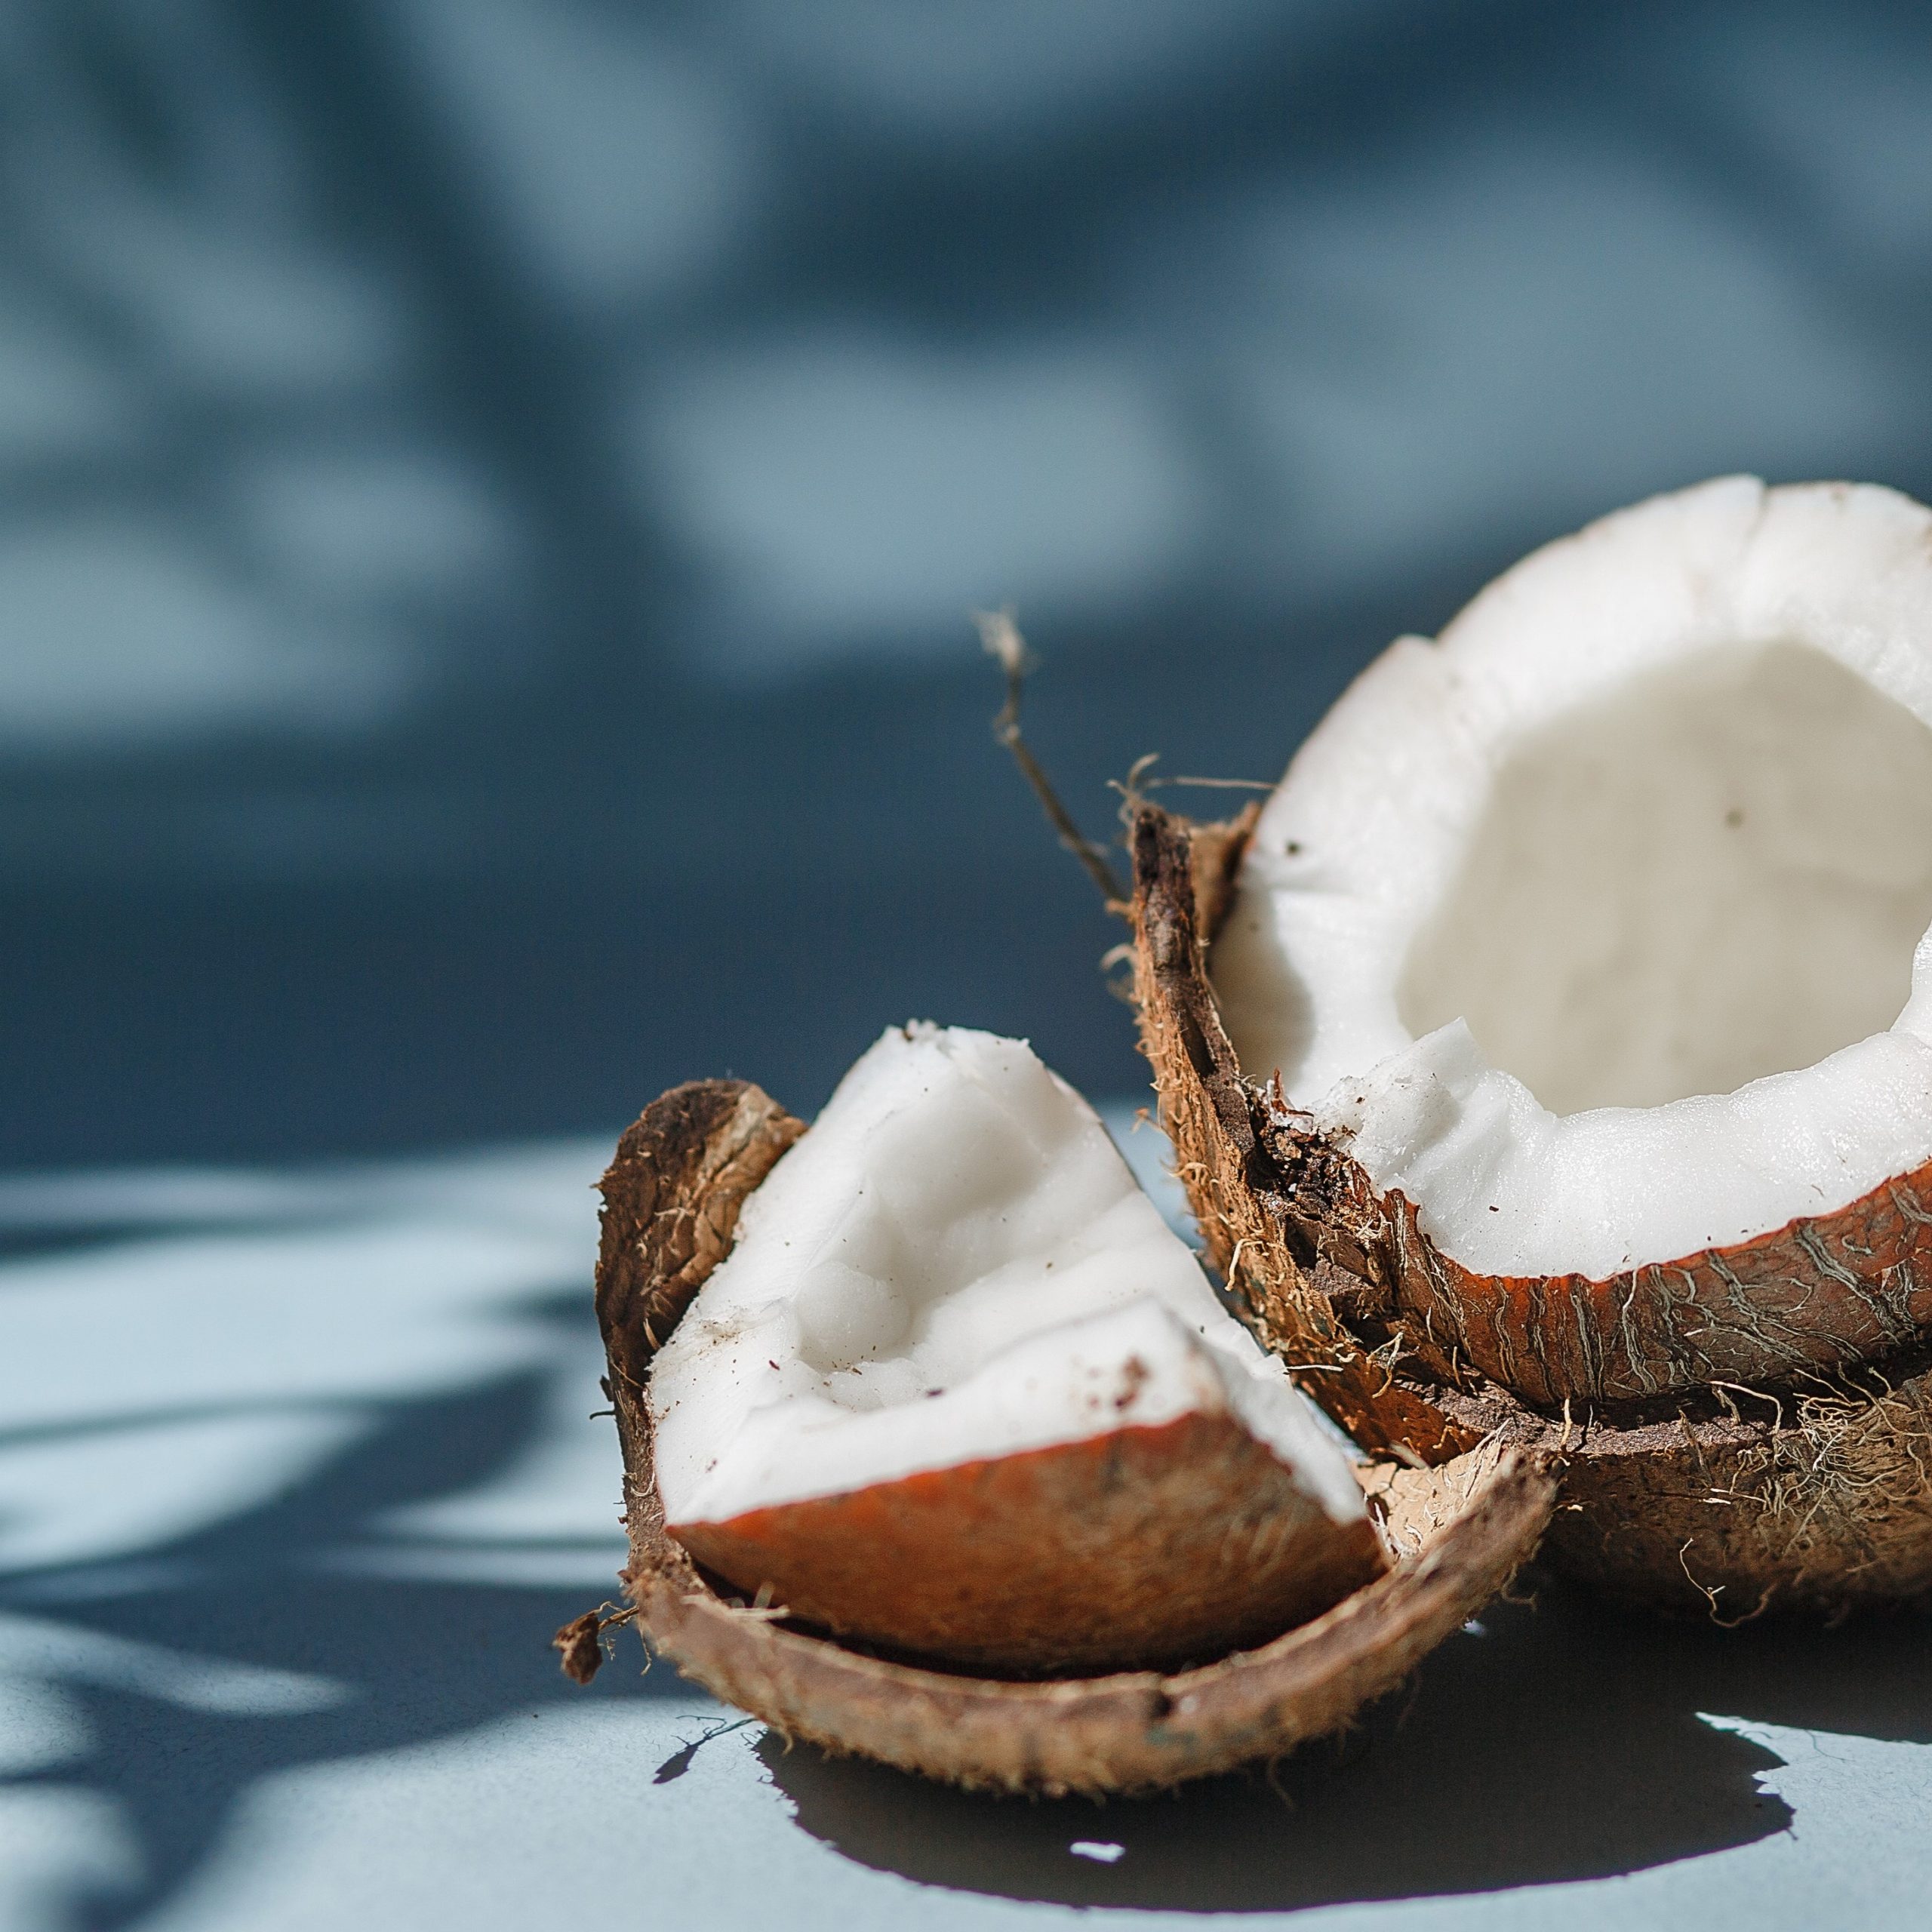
x,y
1587,934
1719,1499
672,1198
959,1390
1719,1303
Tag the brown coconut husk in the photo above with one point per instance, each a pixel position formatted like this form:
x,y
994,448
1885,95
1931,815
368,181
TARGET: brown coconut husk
x,y
1763,1462
1455,1534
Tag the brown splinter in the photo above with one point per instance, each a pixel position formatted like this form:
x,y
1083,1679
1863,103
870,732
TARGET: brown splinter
x,y
1004,643
582,1655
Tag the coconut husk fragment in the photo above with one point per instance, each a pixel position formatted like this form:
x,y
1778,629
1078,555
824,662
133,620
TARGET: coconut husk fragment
x,y
1747,1429
1456,1533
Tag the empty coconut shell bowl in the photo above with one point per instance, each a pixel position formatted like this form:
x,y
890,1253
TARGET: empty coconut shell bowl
x,y
1547,1064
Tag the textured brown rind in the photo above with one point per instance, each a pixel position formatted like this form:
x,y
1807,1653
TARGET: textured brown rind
x,y
1822,1295
1820,1497
671,1199
1145,1545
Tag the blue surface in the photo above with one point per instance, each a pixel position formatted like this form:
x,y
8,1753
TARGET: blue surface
x,y
299,1473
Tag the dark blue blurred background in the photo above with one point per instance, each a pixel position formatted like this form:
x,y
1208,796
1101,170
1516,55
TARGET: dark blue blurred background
x,y
491,489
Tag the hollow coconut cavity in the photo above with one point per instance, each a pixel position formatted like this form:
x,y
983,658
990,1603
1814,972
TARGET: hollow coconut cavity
x,y
959,1402
1567,1057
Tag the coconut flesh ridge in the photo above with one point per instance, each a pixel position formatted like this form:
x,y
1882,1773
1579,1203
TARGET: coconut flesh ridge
x,y
1599,926
955,1264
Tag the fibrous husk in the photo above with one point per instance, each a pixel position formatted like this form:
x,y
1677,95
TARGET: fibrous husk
x,y
1683,1486
1457,1534
1823,1504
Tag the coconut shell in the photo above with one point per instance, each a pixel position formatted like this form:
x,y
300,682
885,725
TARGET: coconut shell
x,y
1456,1534
1762,1461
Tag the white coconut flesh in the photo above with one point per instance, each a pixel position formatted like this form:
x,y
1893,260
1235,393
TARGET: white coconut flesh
x,y
1598,925
953,1265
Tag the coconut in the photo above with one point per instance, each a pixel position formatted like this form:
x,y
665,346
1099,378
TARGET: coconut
x,y
1563,1062
956,1462
959,1390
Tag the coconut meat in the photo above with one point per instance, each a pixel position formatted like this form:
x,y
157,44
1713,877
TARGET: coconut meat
x,y
955,1264
1597,926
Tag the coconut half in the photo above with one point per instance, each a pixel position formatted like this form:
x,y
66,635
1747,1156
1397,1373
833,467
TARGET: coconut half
x,y
1568,1048
787,1523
